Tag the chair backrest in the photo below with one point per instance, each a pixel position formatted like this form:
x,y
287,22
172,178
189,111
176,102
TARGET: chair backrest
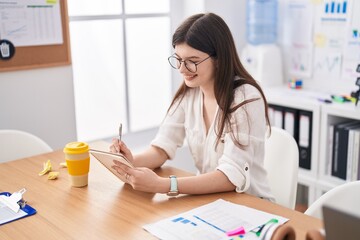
x,y
17,144
345,197
282,164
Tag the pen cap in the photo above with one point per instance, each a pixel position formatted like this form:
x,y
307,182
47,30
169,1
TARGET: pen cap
x,y
76,151
76,148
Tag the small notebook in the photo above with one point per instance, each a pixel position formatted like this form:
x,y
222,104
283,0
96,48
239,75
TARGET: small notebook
x,y
107,159
7,215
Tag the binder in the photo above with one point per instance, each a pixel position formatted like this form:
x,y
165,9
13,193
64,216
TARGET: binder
x,y
278,116
353,149
356,167
350,150
356,156
352,153
7,215
340,151
305,136
291,122
329,151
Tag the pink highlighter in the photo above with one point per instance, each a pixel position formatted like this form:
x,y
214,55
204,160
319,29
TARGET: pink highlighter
x,y
237,231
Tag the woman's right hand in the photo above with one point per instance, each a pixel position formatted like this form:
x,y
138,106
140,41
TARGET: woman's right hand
x,y
118,146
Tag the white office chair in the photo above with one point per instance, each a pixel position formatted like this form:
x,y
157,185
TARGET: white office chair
x,y
17,144
345,197
282,164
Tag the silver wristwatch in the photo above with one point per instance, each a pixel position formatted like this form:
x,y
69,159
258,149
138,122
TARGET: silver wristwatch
x,y
173,187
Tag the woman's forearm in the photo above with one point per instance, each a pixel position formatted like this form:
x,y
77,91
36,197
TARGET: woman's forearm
x,y
205,183
152,158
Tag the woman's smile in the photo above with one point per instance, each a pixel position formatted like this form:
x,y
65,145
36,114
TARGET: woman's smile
x,y
189,77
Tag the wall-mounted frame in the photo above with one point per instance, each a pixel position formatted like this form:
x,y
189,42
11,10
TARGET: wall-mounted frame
x,y
29,57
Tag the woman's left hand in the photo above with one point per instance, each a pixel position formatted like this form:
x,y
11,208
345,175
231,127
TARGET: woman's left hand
x,y
141,178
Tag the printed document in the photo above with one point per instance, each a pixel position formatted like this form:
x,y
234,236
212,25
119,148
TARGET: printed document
x,y
210,221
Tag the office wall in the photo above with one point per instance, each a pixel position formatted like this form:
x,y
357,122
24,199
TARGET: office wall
x,y
41,102
234,14
232,11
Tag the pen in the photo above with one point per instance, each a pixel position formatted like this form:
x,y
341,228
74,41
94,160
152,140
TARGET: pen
x,y
120,131
324,100
259,229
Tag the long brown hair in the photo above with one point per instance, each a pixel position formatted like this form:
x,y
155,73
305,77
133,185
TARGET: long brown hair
x,y
210,34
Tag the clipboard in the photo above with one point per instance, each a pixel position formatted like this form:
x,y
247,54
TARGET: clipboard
x,y
7,215
107,159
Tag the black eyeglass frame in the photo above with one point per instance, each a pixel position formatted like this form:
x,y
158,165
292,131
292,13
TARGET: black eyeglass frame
x,y
184,61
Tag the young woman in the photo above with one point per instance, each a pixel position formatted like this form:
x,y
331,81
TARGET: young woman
x,y
219,109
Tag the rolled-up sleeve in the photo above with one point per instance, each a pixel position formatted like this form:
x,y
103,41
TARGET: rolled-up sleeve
x,y
235,164
238,163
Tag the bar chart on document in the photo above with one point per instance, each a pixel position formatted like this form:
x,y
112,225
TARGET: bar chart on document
x,y
338,7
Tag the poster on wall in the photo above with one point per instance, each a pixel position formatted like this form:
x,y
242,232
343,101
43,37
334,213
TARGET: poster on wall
x,y
352,46
332,21
31,22
322,41
298,37
327,64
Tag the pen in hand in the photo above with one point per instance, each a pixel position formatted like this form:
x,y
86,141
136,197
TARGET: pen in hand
x,y
120,131
120,134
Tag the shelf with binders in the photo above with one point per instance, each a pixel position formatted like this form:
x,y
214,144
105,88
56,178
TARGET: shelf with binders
x,y
298,113
322,175
302,108
340,153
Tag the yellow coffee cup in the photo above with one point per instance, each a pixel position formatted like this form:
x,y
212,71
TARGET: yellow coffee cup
x,y
78,162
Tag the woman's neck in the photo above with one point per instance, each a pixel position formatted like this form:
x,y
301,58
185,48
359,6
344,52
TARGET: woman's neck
x,y
209,109
208,92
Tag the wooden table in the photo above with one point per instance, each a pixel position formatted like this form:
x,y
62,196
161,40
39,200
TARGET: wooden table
x,y
107,208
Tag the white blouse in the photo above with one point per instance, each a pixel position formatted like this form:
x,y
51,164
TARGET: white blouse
x,y
243,166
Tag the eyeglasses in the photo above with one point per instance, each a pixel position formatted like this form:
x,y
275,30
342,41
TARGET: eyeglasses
x,y
190,65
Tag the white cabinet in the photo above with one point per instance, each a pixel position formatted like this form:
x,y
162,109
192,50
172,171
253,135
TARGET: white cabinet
x,y
332,114
323,114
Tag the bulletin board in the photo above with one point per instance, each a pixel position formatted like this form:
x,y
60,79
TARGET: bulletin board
x,y
29,57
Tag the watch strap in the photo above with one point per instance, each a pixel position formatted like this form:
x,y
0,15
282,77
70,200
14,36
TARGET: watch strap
x,y
173,186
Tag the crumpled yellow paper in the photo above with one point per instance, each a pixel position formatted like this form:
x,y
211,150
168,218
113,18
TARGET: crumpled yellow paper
x,y
53,175
63,164
47,168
